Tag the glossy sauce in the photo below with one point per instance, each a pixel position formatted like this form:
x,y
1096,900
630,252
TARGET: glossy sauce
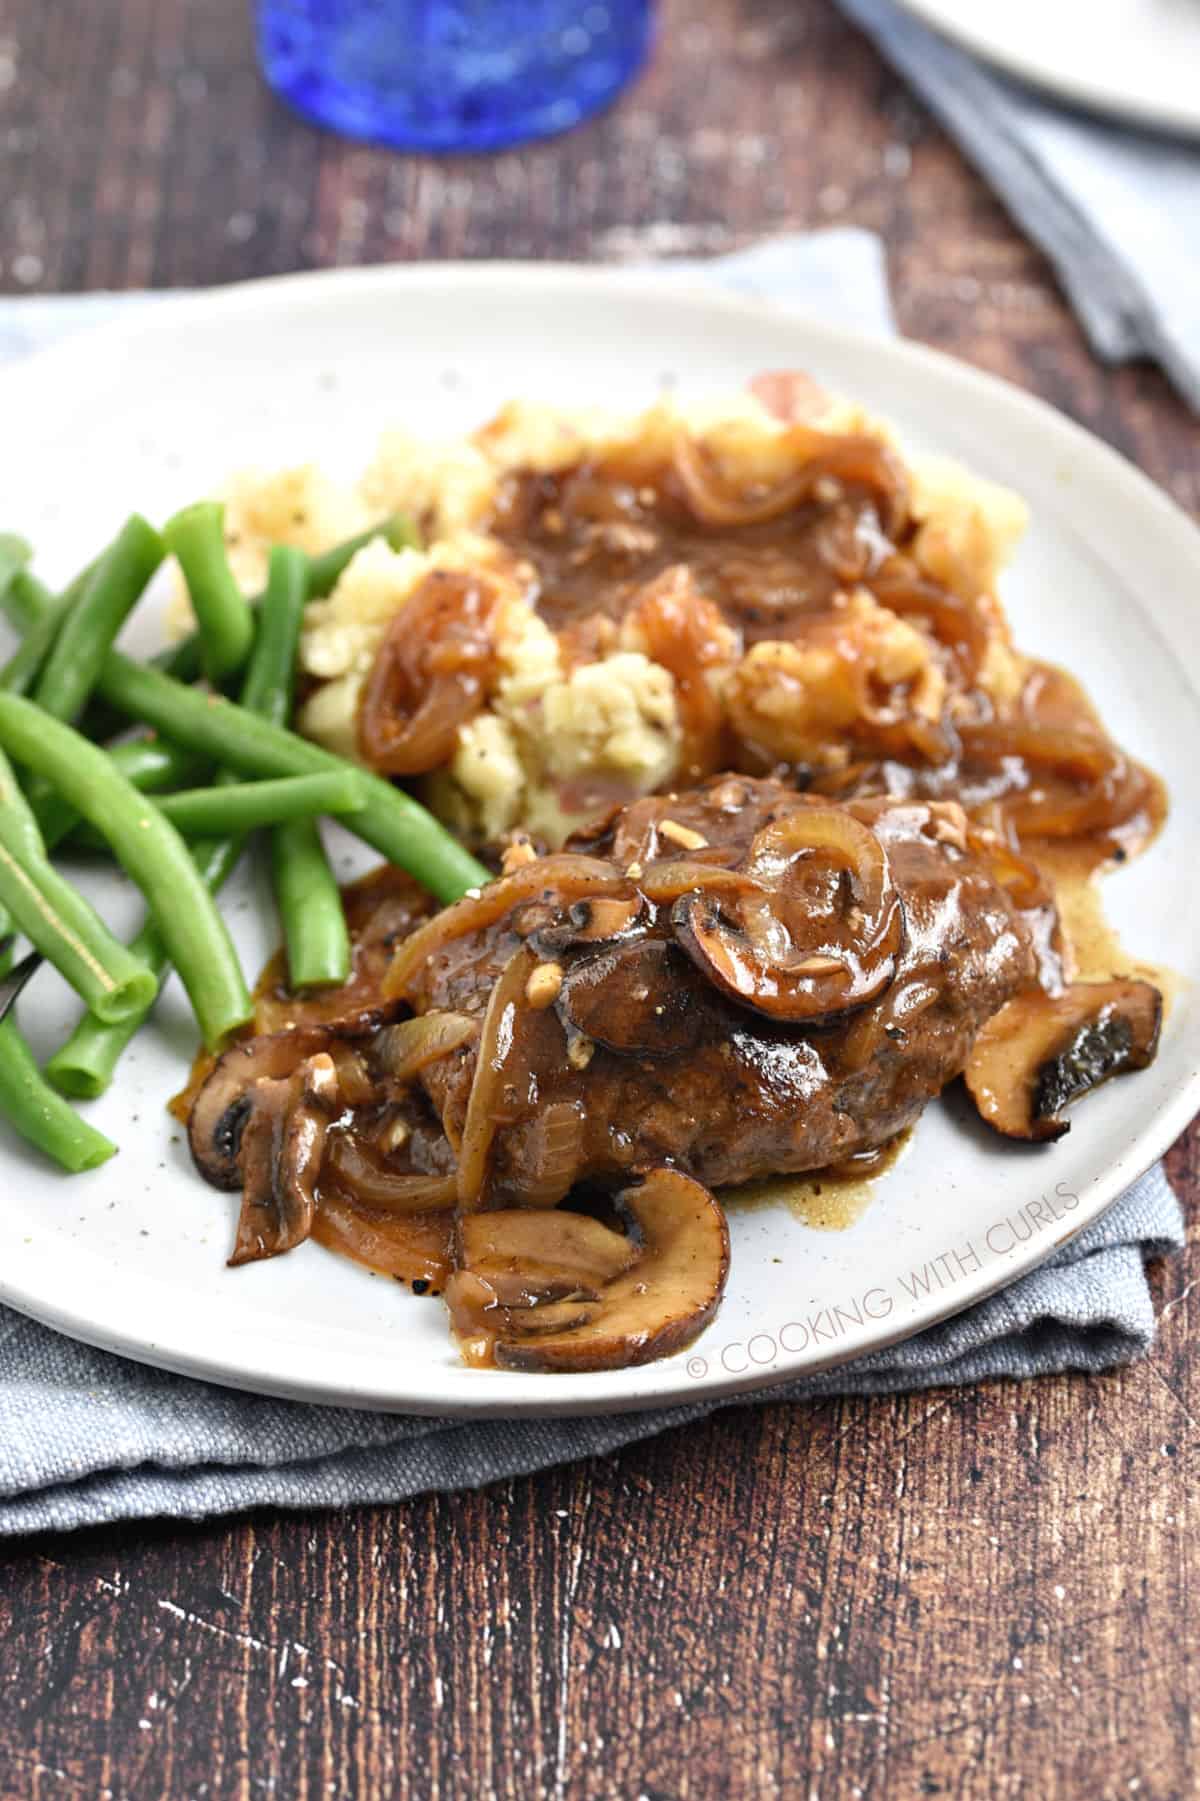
x,y
596,539
828,1200
1095,950
600,541
596,534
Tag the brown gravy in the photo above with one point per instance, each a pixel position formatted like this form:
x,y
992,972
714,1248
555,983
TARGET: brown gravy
x,y
591,540
828,1200
596,535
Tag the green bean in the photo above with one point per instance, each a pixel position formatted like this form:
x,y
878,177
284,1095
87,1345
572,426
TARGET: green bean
x,y
310,907
326,569
14,803
156,766
306,891
67,929
394,824
34,1110
150,850
242,807
85,1065
184,660
21,671
95,618
25,603
196,536
153,766
87,1062
270,683
248,806
15,552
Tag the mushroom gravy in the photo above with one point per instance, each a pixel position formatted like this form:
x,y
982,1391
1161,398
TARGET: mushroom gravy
x,y
867,868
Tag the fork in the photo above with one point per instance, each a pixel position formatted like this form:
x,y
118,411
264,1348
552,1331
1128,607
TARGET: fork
x,y
12,984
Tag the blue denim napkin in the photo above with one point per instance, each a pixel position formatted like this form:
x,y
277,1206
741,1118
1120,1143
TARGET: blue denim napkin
x,y
86,1437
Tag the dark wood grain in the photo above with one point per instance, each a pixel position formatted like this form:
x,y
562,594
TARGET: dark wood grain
x,y
971,1594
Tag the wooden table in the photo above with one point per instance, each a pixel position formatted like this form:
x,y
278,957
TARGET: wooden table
x,y
977,1594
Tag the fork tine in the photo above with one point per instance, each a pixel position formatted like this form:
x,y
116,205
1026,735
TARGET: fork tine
x,y
12,984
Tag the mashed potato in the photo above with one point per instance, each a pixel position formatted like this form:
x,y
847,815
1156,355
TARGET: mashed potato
x,y
562,735
555,745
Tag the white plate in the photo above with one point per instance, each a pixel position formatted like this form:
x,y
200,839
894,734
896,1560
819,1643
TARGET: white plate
x,y
151,412
1138,59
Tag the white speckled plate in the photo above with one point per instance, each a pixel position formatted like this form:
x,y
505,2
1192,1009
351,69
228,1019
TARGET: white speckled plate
x,y
1137,59
150,412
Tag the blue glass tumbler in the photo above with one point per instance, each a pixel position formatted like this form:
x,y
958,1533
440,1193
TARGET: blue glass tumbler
x,y
451,74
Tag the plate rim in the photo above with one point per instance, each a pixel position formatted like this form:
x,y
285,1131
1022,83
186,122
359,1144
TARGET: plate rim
x,y
657,1384
1095,97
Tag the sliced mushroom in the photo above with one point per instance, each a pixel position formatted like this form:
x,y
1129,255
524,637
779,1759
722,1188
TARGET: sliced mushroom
x,y
600,919
1041,1052
810,987
477,1315
638,999
815,932
655,1306
281,1150
557,1316
534,1256
222,1108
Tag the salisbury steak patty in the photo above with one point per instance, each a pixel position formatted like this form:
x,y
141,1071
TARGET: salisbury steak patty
x,y
739,981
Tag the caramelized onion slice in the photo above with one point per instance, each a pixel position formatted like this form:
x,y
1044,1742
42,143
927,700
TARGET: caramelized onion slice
x,y
859,461
361,1178
1041,1052
554,1143
1082,756
558,880
403,1050
282,1148
412,1248
667,878
1093,787
429,676
497,1039
773,949
659,1303
1019,878
686,633
954,622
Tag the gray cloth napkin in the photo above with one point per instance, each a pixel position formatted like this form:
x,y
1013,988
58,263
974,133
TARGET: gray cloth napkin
x,y
1117,210
86,1437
